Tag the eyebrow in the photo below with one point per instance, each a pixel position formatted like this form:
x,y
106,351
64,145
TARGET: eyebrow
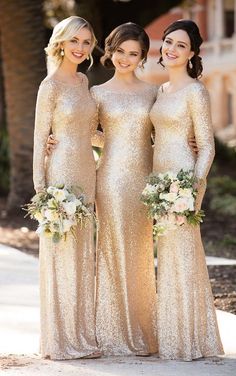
x,y
88,39
136,52
179,41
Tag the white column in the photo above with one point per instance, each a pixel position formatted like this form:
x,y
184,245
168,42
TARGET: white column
x,y
216,86
219,19
211,19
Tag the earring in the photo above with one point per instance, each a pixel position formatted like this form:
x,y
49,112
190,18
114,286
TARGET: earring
x,y
62,52
190,64
88,57
141,65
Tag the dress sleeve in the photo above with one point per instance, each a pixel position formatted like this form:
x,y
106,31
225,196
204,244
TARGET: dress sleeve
x,y
201,117
97,135
45,105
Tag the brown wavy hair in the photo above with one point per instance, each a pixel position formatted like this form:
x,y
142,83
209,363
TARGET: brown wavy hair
x,y
196,40
122,33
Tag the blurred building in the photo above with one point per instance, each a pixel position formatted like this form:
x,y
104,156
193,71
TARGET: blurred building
x,y
217,22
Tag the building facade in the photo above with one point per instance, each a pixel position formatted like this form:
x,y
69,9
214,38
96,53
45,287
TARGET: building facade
x,y
217,22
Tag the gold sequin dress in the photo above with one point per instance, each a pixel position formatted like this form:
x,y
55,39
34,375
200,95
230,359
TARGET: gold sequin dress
x,y
187,325
66,268
126,293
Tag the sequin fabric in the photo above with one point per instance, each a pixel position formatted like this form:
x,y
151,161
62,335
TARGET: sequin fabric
x,y
187,325
126,292
66,268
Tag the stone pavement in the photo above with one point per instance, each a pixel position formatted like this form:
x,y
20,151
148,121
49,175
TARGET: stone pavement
x,y
19,334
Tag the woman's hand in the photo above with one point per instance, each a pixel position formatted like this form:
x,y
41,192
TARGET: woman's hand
x,y
51,144
192,143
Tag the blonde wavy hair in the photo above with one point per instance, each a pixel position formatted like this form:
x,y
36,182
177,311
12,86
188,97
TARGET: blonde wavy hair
x,y
63,31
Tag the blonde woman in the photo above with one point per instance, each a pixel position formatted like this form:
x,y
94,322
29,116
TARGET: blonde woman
x,y
64,106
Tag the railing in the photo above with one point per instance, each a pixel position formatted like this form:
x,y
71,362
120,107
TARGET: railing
x,y
219,46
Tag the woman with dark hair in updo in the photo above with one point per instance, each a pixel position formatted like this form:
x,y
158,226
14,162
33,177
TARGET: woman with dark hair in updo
x,y
187,324
126,294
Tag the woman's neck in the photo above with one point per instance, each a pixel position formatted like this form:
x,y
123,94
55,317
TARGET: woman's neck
x,y
67,69
125,79
178,77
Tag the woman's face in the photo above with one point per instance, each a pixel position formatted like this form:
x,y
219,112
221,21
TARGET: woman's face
x,y
79,47
176,49
127,56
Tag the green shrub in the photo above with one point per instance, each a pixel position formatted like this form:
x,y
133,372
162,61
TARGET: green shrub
x,y
221,185
223,195
224,204
225,153
229,240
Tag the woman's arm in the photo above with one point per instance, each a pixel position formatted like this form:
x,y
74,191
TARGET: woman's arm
x,y
202,123
97,135
45,106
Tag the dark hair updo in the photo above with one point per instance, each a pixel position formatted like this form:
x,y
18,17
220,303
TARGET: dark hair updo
x,y
195,39
122,33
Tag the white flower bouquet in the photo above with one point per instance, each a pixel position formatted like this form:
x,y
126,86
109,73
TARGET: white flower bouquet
x,y
170,199
58,211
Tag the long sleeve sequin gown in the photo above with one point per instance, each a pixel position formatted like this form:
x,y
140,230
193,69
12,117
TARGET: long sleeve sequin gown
x,y
66,268
187,326
125,299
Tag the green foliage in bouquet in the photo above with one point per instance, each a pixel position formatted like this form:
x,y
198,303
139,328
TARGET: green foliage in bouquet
x,y
58,210
170,200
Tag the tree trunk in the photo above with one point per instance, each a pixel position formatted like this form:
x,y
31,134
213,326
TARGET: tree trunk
x,y
22,43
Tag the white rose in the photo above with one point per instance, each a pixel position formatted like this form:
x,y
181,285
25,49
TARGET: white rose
x,y
171,197
185,192
51,190
180,205
60,194
51,215
69,207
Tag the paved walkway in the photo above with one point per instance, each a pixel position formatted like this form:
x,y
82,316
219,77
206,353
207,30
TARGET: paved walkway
x,y
19,333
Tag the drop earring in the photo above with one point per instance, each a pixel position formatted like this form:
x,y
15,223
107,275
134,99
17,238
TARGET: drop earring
x,y
141,65
88,57
190,64
62,52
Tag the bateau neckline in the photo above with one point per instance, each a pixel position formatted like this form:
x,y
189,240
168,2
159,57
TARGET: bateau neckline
x,y
183,88
79,81
125,92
